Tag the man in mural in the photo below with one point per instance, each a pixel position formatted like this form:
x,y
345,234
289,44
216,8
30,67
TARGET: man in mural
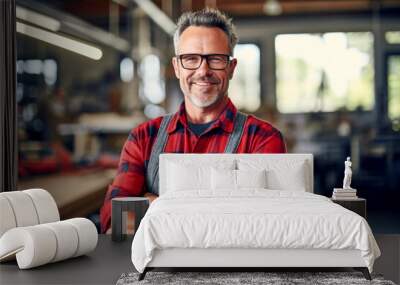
x,y
206,122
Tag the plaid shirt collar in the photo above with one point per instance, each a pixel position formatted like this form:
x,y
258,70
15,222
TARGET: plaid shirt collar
x,y
224,121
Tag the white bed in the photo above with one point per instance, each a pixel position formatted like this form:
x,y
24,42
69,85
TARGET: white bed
x,y
247,210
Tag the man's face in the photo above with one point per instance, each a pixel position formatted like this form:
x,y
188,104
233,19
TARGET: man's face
x,y
203,87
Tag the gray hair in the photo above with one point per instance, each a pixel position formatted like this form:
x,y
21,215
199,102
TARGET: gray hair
x,y
207,17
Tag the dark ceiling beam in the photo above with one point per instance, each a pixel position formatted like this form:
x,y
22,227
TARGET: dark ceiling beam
x,y
293,7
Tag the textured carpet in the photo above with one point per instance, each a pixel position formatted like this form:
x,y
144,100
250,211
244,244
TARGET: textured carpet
x,y
273,278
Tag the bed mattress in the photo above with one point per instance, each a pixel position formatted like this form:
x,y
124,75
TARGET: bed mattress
x,y
250,219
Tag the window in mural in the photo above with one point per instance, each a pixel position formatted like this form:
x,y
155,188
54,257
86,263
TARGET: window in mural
x,y
324,72
394,91
393,37
245,87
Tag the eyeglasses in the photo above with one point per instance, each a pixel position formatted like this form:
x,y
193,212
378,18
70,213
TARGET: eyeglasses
x,y
193,61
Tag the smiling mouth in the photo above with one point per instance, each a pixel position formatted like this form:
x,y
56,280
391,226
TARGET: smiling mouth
x,y
204,83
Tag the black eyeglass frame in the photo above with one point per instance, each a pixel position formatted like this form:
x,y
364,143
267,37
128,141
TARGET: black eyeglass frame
x,y
205,56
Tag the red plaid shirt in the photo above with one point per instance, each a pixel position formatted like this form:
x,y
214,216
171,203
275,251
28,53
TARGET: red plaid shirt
x,y
258,137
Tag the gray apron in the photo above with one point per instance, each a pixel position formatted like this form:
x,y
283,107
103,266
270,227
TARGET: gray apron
x,y
162,138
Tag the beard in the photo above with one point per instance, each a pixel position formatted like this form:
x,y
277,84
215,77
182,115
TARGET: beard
x,y
204,102
204,99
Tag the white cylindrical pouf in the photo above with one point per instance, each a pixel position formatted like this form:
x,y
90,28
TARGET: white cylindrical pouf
x,y
45,205
35,245
23,208
7,218
67,239
87,235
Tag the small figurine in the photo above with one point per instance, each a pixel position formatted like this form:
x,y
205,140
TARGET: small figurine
x,y
345,193
347,174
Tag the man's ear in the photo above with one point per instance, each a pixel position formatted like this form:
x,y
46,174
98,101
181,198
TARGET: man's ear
x,y
232,67
176,66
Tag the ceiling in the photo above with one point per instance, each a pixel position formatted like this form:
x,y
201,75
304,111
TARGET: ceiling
x,y
240,8
97,12
237,8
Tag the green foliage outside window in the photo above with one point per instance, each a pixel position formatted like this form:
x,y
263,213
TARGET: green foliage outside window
x,y
394,89
393,37
324,72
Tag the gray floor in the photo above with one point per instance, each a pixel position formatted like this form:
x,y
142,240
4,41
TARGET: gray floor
x,y
110,260
386,228
102,266
389,262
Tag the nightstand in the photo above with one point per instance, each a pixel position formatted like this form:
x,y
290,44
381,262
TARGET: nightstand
x,y
138,205
358,206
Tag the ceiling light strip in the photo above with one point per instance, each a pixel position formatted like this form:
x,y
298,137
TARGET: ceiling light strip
x,y
157,15
60,41
38,19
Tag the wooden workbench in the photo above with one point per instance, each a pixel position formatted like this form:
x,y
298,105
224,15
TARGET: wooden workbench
x,y
76,194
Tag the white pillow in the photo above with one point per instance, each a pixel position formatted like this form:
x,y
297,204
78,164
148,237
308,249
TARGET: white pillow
x,y
236,179
293,179
182,177
280,174
251,178
223,179
189,176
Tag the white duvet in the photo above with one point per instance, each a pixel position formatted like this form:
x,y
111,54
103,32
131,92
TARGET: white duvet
x,y
252,218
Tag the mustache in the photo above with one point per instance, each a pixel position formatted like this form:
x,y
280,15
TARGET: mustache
x,y
203,79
